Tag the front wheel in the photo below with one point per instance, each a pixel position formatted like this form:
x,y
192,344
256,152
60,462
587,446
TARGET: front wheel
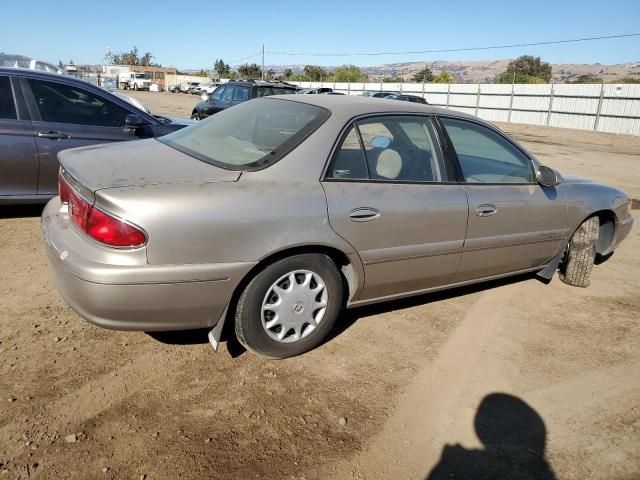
x,y
580,255
290,306
195,116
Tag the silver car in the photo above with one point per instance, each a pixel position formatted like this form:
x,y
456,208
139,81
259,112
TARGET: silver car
x,y
278,213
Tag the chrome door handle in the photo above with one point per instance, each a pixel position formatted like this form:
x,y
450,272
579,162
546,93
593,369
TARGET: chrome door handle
x,y
486,210
364,214
53,135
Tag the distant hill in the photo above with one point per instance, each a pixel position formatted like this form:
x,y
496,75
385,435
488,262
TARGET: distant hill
x,y
485,71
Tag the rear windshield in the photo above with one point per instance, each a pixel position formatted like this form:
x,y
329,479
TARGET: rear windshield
x,y
251,135
268,91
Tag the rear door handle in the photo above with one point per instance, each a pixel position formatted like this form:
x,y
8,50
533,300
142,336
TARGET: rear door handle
x,y
364,214
486,210
53,135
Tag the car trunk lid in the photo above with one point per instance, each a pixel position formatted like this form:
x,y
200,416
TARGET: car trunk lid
x,y
137,163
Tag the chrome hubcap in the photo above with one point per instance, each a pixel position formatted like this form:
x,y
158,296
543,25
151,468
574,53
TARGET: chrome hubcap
x,y
294,306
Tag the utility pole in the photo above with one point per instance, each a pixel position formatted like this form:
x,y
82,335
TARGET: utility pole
x,y
263,61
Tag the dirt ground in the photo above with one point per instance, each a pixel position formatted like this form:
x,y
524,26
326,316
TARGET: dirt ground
x,y
454,384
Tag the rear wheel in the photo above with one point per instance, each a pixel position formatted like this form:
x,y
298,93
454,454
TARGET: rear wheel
x,y
580,255
289,307
135,86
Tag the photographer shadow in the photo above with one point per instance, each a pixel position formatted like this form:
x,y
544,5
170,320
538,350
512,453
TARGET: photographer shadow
x,y
514,438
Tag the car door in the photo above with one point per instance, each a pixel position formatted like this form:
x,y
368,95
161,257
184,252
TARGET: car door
x,y
18,154
65,115
214,103
515,224
241,94
388,195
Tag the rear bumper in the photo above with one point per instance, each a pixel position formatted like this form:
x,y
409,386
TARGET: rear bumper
x,y
138,296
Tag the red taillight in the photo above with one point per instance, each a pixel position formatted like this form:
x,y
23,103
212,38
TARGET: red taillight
x,y
97,224
63,189
113,231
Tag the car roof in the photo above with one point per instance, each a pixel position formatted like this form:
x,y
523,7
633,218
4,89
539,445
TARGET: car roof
x,y
356,105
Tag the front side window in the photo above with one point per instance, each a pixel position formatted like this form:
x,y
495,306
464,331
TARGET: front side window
x,y
394,148
485,156
61,103
218,92
251,135
7,107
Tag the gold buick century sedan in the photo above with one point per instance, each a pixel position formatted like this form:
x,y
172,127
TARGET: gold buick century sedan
x,y
276,214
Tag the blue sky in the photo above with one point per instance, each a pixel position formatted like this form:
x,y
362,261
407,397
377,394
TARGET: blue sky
x,y
192,33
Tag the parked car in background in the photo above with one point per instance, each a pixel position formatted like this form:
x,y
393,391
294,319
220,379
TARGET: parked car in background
x,y
186,87
238,91
276,213
314,91
380,94
208,88
43,113
109,83
174,88
332,93
407,98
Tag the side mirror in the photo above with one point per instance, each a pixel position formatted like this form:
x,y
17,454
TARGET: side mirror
x,y
547,177
133,123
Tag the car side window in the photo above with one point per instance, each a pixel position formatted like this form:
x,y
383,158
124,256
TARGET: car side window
x,y
394,148
7,107
228,94
349,162
485,156
401,148
218,92
61,103
242,94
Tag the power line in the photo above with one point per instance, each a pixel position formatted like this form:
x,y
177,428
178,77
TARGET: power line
x,y
246,58
448,50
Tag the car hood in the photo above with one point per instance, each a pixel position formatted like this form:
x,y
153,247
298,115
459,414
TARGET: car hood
x,y
573,179
137,163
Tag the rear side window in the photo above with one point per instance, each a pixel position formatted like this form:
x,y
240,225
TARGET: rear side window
x,y
7,107
393,148
242,94
61,103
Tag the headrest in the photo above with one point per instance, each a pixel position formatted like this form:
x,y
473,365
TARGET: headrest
x,y
389,164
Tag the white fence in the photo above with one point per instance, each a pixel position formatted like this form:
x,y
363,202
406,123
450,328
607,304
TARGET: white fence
x,y
611,108
170,80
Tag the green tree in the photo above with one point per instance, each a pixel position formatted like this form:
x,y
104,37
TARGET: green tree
x,y
626,80
222,68
315,73
252,70
287,73
60,64
392,79
424,75
587,79
444,77
527,69
348,73
132,58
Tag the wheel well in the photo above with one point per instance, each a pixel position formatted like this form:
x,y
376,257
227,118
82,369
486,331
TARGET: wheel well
x,y
347,272
607,230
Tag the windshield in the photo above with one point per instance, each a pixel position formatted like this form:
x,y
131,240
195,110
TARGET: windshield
x,y
141,75
251,135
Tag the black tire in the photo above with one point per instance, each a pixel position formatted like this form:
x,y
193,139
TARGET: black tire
x,y
248,317
195,116
580,255
135,86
